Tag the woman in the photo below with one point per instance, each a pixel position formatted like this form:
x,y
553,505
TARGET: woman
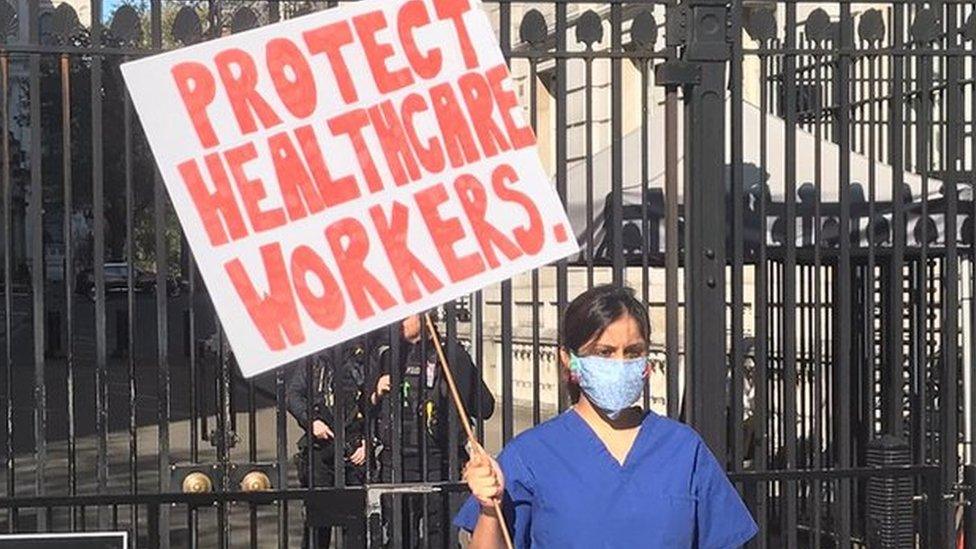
x,y
605,473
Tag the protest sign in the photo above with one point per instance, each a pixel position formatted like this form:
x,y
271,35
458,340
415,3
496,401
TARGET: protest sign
x,y
336,172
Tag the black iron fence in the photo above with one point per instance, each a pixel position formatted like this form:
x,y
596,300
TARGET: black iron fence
x,y
788,185
358,510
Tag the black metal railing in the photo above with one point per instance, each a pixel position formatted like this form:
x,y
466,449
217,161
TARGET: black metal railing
x,y
359,511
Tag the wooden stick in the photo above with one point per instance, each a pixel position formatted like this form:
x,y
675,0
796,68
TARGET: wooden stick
x,y
465,421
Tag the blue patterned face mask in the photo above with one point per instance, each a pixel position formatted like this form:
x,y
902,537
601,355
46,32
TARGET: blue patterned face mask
x,y
611,385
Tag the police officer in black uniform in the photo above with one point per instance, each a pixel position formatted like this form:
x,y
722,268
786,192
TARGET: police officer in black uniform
x,y
335,377
426,408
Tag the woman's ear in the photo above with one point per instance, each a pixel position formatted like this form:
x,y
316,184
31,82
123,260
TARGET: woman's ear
x,y
563,358
571,379
565,361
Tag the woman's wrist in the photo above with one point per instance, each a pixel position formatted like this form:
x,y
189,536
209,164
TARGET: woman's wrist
x,y
490,510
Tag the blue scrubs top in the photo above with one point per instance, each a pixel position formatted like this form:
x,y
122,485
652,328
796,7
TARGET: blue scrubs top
x,y
563,489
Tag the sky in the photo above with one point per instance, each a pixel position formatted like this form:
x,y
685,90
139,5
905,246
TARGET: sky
x,y
108,7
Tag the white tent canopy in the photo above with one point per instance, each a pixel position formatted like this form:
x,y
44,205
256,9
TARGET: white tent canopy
x,y
862,173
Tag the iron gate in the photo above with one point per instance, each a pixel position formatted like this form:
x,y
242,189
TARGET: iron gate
x,y
789,186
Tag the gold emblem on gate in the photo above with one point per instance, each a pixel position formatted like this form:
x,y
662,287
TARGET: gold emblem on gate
x,y
197,483
255,481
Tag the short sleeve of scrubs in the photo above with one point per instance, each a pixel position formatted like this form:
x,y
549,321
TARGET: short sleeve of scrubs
x,y
723,521
517,505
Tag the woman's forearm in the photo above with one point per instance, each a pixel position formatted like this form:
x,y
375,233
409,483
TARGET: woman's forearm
x,y
487,532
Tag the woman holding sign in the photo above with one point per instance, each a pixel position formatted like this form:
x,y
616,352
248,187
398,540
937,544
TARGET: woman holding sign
x,y
605,473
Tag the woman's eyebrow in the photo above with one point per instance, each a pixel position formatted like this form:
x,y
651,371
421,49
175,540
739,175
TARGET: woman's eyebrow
x,y
602,347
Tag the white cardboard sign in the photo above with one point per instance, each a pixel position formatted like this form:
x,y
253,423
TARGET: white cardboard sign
x,y
336,172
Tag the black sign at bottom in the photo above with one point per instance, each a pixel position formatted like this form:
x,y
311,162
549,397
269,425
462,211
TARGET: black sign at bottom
x,y
80,540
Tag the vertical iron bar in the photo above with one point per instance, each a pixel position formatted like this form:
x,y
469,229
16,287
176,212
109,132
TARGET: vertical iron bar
x,y
191,327
152,526
225,433
281,414
789,277
971,335
617,141
420,416
536,381
191,526
969,520
68,271
35,220
312,379
872,92
508,411
644,190
950,286
818,319
562,284
708,44
339,417
738,238
761,320
252,454
917,334
162,338
131,310
396,426
923,164
843,298
446,500
588,92
162,349
672,250
478,348
7,292
98,211
281,450
895,361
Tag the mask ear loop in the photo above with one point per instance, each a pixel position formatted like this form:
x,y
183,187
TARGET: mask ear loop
x,y
574,368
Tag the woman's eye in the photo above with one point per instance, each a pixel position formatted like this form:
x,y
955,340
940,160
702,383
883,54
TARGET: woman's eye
x,y
606,352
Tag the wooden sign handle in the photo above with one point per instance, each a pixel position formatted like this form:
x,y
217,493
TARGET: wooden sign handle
x,y
459,406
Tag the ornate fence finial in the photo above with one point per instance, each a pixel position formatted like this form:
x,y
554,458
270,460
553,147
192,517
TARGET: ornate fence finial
x,y
64,23
643,30
589,29
925,28
871,27
761,25
187,27
244,19
817,26
534,30
125,25
8,20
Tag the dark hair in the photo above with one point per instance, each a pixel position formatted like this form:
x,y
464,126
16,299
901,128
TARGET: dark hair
x,y
589,315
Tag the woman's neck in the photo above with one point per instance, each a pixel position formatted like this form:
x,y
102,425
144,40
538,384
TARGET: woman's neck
x,y
628,419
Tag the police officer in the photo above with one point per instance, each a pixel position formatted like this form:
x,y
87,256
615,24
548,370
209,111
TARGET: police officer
x,y
333,377
425,415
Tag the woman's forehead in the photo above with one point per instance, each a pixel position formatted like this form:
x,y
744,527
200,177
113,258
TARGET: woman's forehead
x,y
623,332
